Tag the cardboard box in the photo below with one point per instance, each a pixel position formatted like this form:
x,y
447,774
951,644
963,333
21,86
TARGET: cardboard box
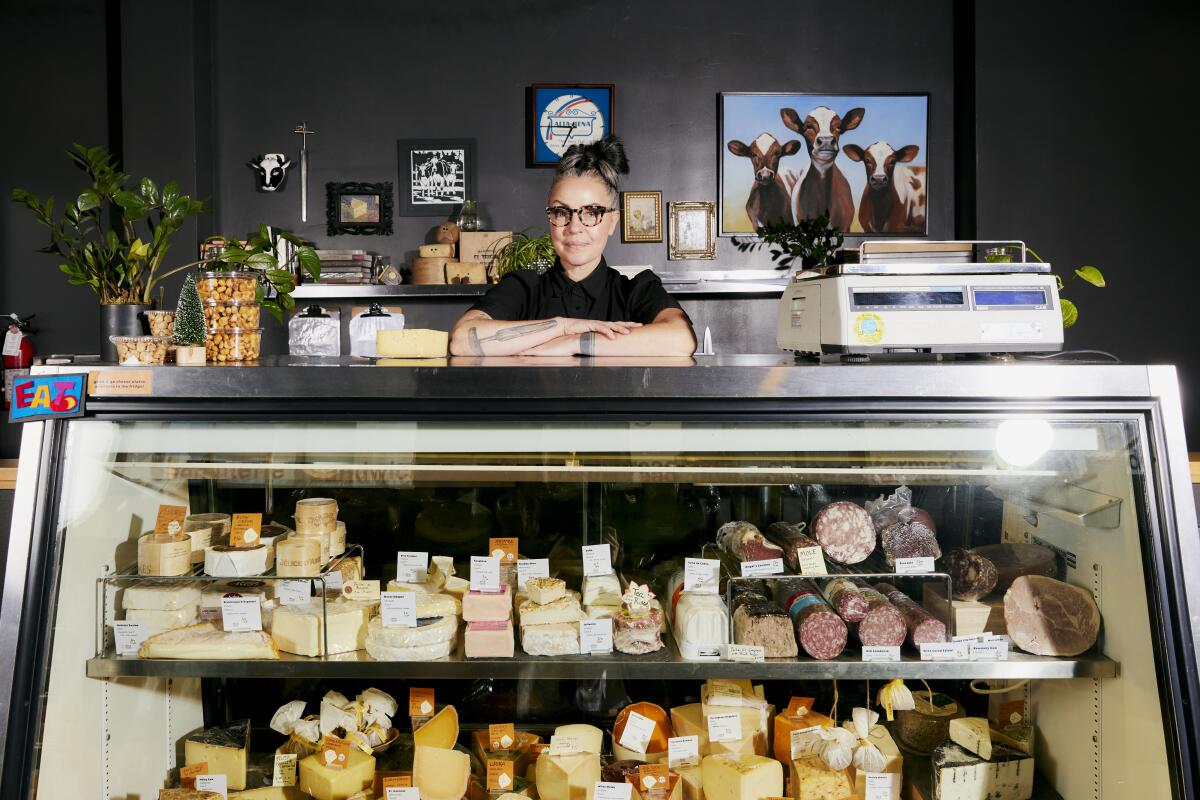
x,y
482,246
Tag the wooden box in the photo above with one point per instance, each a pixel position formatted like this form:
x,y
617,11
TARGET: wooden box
x,y
482,246
970,617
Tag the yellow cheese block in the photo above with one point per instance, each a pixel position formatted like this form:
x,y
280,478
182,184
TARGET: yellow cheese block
x,y
326,783
567,777
589,737
784,725
692,779
812,779
270,793
441,731
441,773
689,720
412,343
443,250
734,777
879,736
224,749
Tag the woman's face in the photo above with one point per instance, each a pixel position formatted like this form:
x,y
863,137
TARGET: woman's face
x,y
577,245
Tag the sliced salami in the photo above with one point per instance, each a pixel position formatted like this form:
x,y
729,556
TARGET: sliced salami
x,y
791,537
845,532
846,599
883,624
744,541
972,575
909,540
923,628
820,632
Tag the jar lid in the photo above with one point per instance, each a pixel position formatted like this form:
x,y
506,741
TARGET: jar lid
x,y
235,330
127,339
230,273
211,302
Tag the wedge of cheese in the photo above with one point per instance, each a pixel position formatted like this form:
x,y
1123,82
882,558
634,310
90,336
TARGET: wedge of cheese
x,y
302,629
692,779
412,343
689,720
323,782
207,641
961,775
974,734
441,731
809,743
589,737
159,598
441,773
567,777
740,777
224,749
879,736
812,779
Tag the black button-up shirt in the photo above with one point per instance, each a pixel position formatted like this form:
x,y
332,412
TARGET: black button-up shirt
x,y
604,295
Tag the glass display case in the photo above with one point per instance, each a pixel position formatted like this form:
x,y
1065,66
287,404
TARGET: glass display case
x,y
745,552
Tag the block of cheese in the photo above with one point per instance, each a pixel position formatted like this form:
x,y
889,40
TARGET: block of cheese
x,y
701,624
225,561
489,639
441,250
561,639
224,749
519,752
466,272
159,598
692,779
741,777
564,609
545,590
809,743
412,343
589,737
438,604
812,779
270,793
440,731
207,641
973,734
894,763
441,773
457,587
601,590
486,606
427,631
210,597
960,775
157,621
567,777
689,720
301,629
328,783
601,612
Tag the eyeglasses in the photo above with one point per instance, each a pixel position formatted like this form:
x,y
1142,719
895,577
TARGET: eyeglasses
x,y
589,216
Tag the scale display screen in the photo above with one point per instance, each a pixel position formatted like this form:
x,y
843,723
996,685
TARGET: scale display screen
x,y
1010,297
908,298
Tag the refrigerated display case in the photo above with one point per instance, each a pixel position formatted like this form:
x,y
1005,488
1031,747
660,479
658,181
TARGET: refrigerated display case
x,y
652,458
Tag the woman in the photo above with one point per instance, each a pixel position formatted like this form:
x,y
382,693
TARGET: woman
x,y
580,306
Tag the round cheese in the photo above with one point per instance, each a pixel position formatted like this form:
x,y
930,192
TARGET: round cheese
x,y
219,523
323,541
337,540
224,561
297,557
165,554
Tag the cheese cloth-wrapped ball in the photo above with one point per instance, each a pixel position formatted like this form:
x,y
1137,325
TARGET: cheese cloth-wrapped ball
x,y
285,719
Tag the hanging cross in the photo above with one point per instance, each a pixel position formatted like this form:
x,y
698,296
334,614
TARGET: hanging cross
x,y
304,132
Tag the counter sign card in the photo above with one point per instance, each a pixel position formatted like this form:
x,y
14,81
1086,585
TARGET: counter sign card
x,y
128,636
485,574
169,520
503,548
35,397
597,560
532,568
411,566
241,614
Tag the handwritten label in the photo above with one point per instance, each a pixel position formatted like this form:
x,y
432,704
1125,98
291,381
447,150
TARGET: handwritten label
x,y
637,733
398,609
411,566
187,775
284,771
245,530
128,636
606,790
597,560
363,591
811,561
683,751
806,742
485,574
420,701
293,593
213,783
595,636
701,575
755,569
401,781
502,737
532,568
169,520
944,651
503,548
563,745
914,566
724,727
880,653
744,653
879,785
241,614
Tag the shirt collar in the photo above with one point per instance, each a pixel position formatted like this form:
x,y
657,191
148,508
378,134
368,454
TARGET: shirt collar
x,y
594,285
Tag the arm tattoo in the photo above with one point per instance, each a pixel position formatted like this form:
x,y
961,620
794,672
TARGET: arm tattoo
x,y
587,344
473,341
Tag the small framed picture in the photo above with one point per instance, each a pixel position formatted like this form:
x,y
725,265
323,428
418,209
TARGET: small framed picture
x,y
641,217
436,176
561,115
693,231
358,209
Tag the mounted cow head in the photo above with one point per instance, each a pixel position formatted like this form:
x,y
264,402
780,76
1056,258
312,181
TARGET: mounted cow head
x,y
272,170
880,160
764,154
821,129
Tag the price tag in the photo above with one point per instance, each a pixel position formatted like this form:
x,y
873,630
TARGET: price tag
x,y
805,742
187,775
411,566
293,593
683,751
284,772
503,548
334,580
879,785
755,569
597,560
994,650
969,637
914,566
499,774
485,574
210,613
335,752
744,653
1010,712
128,636
401,781
945,651
12,343
799,706
880,653
213,783
724,727
637,733
595,636
364,591
402,793
420,701
811,561
561,745
169,520
241,614
613,791
398,609
654,778
997,637
245,530
701,575
502,737
532,568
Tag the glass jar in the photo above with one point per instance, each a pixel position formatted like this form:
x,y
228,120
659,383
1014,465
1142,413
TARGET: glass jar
x,y
225,286
233,344
468,217
998,255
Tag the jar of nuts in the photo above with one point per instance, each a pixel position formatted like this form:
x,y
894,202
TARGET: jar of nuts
x,y
232,344
226,286
231,314
162,323
140,350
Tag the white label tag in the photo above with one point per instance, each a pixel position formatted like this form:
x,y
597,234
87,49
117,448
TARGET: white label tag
x,y
879,785
293,593
485,574
754,569
12,343
914,566
595,636
241,614
880,653
128,636
994,650
597,560
970,637
745,653
613,791
724,727
398,609
683,751
701,575
811,561
532,568
944,651
563,745
997,637
284,772
210,614
213,783
334,581
411,566
637,733
804,743
402,793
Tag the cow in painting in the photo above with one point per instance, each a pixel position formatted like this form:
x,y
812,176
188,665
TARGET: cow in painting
x,y
893,201
768,200
822,188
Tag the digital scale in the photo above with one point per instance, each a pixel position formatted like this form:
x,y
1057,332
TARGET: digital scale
x,y
906,297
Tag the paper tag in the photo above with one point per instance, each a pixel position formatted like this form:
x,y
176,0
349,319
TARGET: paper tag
x,y
532,568
811,561
502,737
880,653
128,636
701,575
403,781
613,791
485,574
1010,712
398,609
334,581
210,614
914,566
879,785
241,614
654,778
363,591
334,753
754,569
213,783
420,701
944,651
293,593
724,727
401,793
994,650
245,530
597,560
563,745
284,771
799,706
744,653
12,342
500,774
187,775
997,637
803,743
683,751
637,733
503,548
969,637
169,520
595,636
411,566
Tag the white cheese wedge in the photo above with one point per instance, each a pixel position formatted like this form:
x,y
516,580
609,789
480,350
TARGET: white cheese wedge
x,y
560,639
158,621
328,783
734,777
961,775
412,343
441,773
300,629
974,734
207,641
601,590
159,597
562,609
567,777
545,590
224,749
589,737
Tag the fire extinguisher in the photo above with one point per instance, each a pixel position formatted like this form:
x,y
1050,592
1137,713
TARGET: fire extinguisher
x,y
18,351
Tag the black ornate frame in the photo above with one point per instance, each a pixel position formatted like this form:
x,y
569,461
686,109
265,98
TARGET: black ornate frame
x,y
334,226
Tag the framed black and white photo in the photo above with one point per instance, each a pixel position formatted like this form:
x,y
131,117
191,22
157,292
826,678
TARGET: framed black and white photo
x,y
693,231
358,209
436,176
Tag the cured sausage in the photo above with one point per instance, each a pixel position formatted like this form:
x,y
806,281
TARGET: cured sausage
x,y
791,537
972,575
845,532
923,628
744,541
908,540
820,632
846,599
883,624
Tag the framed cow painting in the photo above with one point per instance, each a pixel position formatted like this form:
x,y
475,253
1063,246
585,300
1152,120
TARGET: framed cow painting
x,y
787,157
436,176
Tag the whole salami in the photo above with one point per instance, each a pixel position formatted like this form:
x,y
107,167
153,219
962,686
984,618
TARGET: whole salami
x,y
923,628
820,632
972,575
883,624
746,542
845,532
909,540
791,537
846,599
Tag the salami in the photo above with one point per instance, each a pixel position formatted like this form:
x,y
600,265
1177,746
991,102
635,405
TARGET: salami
x,y
972,575
1014,560
744,541
883,624
791,537
820,632
845,532
897,507
923,628
908,540
846,599
759,620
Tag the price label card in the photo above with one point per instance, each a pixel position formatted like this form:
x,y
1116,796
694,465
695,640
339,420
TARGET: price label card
x,y
502,737
806,742
724,727
335,752
1010,712
613,791
503,548
420,701
293,593
561,745
683,751
187,775
755,569
128,636
880,653
245,530
994,650
879,785
744,653
654,778
945,651
284,771
213,783
637,733
500,774
701,575
597,560
169,520
532,568
241,614
811,561
334,581
485,574
401,781
595,636
411,566
364,591
799,706
914,566
997,637
969,637
398,609
402,793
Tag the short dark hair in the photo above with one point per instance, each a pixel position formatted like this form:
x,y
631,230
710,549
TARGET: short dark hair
x,y
604,159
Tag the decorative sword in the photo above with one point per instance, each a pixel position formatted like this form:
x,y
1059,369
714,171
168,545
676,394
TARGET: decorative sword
x,y
304,132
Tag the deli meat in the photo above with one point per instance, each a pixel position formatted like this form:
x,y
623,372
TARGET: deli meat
x,y
746,542
972,575
820,632
1014,560
791,537
1048,617
845,532
758,620
908,540
923,627
883,624
846,599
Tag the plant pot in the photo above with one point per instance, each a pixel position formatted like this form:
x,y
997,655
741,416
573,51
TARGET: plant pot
x,y
124,319
190,356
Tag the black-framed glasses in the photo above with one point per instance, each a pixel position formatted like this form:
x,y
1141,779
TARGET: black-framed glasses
x,y
589,216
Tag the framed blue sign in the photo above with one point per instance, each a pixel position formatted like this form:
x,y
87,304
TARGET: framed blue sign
x,y
561,115
37,397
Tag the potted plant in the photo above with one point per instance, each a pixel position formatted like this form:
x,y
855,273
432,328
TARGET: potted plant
x,y
113,238
814,242
525,252
1088,274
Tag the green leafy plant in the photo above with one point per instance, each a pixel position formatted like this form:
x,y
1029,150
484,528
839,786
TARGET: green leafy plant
x,y
813,241
189,315
1087,274
525,252
111,238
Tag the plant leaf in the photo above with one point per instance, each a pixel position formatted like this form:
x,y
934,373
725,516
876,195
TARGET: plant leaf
x,y
1059,281
310,261
1091,275
1070,314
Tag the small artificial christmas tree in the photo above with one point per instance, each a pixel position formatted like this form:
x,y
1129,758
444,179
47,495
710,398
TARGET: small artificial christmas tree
x,y
189,325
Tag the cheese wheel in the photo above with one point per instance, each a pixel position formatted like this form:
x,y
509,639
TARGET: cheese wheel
x,y
297,557
316,515
430,270
412,343
323,539
224,561
439,250
220,524
164,554
337,540
202,536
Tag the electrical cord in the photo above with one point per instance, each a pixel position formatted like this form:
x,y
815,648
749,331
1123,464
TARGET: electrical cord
x,y
1062,353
